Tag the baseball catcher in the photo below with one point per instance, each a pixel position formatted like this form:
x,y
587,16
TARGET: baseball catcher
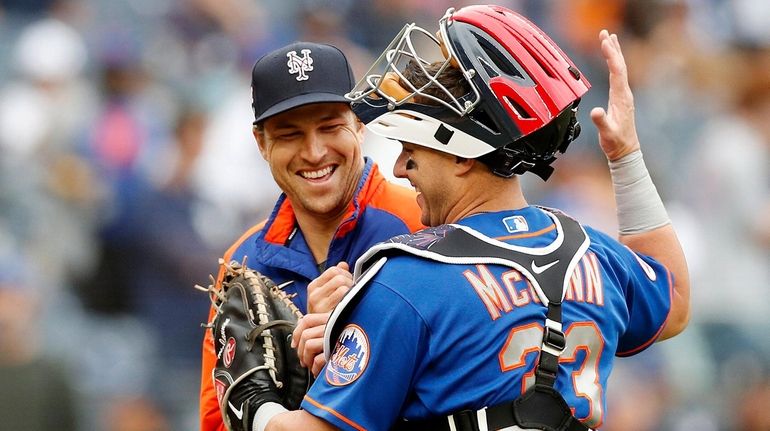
x,y
252,339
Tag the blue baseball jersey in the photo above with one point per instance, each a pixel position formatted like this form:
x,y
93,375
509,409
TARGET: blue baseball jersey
x,y
429,339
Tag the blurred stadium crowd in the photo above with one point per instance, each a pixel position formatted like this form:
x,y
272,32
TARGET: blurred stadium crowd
x,y
127,166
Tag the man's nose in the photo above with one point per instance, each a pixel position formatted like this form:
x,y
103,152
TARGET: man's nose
x,y
314,147
399,168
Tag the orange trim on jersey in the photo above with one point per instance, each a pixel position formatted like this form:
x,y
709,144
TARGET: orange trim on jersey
x,y
210,413
229,252
282,225
527,235
349,224
335,413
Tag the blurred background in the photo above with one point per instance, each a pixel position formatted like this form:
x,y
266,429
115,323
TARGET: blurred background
x,y
127,166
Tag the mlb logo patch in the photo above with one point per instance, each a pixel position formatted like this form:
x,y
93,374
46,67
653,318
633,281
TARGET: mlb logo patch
x,y
516,224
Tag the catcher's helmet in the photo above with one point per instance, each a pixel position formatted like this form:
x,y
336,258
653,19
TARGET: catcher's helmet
x,y
522,101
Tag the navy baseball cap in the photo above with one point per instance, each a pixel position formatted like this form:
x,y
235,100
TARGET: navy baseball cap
x,y
299,74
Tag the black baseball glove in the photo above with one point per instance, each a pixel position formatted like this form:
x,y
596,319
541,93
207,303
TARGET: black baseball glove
x,y
252,340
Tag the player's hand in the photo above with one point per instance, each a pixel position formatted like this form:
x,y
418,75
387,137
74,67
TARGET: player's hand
x,y
326,291
617,129
308,339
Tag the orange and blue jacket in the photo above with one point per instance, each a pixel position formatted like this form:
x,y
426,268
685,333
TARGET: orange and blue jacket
x,y
277,249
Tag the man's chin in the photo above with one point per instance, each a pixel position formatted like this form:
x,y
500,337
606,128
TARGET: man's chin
x,y
325,210
425,220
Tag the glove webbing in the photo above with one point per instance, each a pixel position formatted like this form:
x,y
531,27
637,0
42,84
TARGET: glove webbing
x,y
254,333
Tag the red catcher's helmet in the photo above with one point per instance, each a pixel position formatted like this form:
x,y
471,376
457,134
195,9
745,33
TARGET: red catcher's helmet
x,y
523,94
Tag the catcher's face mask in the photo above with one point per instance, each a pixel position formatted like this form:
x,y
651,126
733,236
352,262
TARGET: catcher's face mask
x,y
519,81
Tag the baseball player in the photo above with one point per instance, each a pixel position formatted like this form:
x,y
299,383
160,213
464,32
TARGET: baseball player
x,y
335,203
502,315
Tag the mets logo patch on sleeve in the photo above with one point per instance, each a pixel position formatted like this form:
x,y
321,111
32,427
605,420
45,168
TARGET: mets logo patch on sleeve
x,y
349,358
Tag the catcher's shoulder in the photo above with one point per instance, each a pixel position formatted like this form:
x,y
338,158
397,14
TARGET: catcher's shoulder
x,y
403,269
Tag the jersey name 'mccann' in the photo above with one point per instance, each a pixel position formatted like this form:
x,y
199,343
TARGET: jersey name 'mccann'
x,y
503,294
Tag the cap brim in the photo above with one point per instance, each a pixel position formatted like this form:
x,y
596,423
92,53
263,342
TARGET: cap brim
x,y
302,99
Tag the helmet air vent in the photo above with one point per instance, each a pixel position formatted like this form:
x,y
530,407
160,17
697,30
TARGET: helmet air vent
x,y
545,68
518,109
503,64
482,118
490,71
383,122
409,116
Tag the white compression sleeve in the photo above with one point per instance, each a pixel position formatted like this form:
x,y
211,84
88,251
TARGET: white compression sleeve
x,y
640,208
265,412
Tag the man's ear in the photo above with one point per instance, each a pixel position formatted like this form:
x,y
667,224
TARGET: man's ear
x,y
360,128
259,136
463,165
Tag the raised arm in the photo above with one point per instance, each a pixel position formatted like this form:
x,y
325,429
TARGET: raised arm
x,y
642,218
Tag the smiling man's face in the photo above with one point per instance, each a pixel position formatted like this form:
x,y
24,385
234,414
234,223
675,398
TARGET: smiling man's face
x,y
314,153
